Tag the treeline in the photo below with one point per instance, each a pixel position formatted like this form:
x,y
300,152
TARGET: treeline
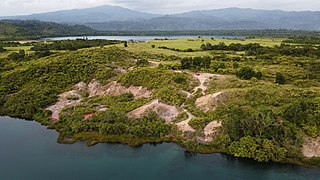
x,y
196,63
242,33
232,47
72,45
255,49
178,50
303,40
287,50
21,55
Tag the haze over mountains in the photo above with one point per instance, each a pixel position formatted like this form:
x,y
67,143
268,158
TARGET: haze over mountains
x,y
118,18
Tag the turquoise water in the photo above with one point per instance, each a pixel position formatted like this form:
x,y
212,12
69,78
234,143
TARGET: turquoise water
x,y
29,151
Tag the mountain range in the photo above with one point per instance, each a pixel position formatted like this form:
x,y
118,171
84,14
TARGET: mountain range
x,y
113,18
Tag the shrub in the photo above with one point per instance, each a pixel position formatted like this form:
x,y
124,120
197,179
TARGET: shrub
x,y
247,73
280,79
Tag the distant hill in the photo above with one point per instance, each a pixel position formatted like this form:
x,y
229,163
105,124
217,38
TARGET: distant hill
x,y
96,14
18,29
117,18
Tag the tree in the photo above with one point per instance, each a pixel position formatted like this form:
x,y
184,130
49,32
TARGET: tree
x,y
203,47
262,150
246,73
209,46
2,49
280,79
186,63
142,63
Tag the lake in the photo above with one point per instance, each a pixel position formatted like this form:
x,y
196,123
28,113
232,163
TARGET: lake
x,y
29,151
135,38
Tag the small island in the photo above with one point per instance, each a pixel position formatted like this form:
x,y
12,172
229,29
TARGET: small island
x,y
250,97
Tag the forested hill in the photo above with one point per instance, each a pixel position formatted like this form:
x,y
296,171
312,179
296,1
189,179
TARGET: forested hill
x,y
31,29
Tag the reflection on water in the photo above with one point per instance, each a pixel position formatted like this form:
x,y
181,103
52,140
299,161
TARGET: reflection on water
x,y
29,151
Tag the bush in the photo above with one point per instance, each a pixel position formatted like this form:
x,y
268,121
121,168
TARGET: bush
x,y
248,73
280,79
142,63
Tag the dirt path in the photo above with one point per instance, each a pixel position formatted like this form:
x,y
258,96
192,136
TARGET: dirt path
x,y
204,79
209,130
184,125
311,147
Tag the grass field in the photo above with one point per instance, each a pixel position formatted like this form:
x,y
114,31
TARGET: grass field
x,y
25,48
194,44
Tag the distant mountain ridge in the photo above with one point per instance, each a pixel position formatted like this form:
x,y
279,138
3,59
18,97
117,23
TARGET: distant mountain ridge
x,y
118,18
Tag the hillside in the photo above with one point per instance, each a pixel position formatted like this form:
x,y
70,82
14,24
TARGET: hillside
x,y
31,29
118,18
96,14
256,98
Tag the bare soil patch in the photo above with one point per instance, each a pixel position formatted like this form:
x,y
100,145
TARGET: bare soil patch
x,y
116,89
70,98
165,111
311,147
209,102
210,129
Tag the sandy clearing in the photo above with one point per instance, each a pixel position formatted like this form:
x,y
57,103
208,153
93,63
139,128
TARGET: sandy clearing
x,y
64,102
311,147
209,102
116,89
184,125
210,129
165,111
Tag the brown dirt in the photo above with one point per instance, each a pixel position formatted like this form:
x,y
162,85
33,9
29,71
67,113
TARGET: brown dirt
x,y
209,102
210,130
311,147
115,89
165,111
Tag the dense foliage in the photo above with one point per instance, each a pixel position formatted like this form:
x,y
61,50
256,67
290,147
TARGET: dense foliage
x,y
16,29
48,77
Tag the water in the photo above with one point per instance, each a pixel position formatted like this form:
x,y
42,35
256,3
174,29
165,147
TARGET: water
x,y
135,38
29,151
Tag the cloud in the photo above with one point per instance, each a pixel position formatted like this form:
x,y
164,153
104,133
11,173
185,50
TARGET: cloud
x,y
18,7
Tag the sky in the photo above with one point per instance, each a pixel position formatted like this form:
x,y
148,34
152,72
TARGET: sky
x,y
23,7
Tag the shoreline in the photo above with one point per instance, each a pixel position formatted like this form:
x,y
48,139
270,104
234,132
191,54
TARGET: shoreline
x,y
189,146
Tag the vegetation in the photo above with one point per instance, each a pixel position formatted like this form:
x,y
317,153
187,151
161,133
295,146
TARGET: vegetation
x,y
269,101
16,29
72,45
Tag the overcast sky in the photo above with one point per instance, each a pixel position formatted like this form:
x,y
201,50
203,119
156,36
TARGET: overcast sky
x,y
21,7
